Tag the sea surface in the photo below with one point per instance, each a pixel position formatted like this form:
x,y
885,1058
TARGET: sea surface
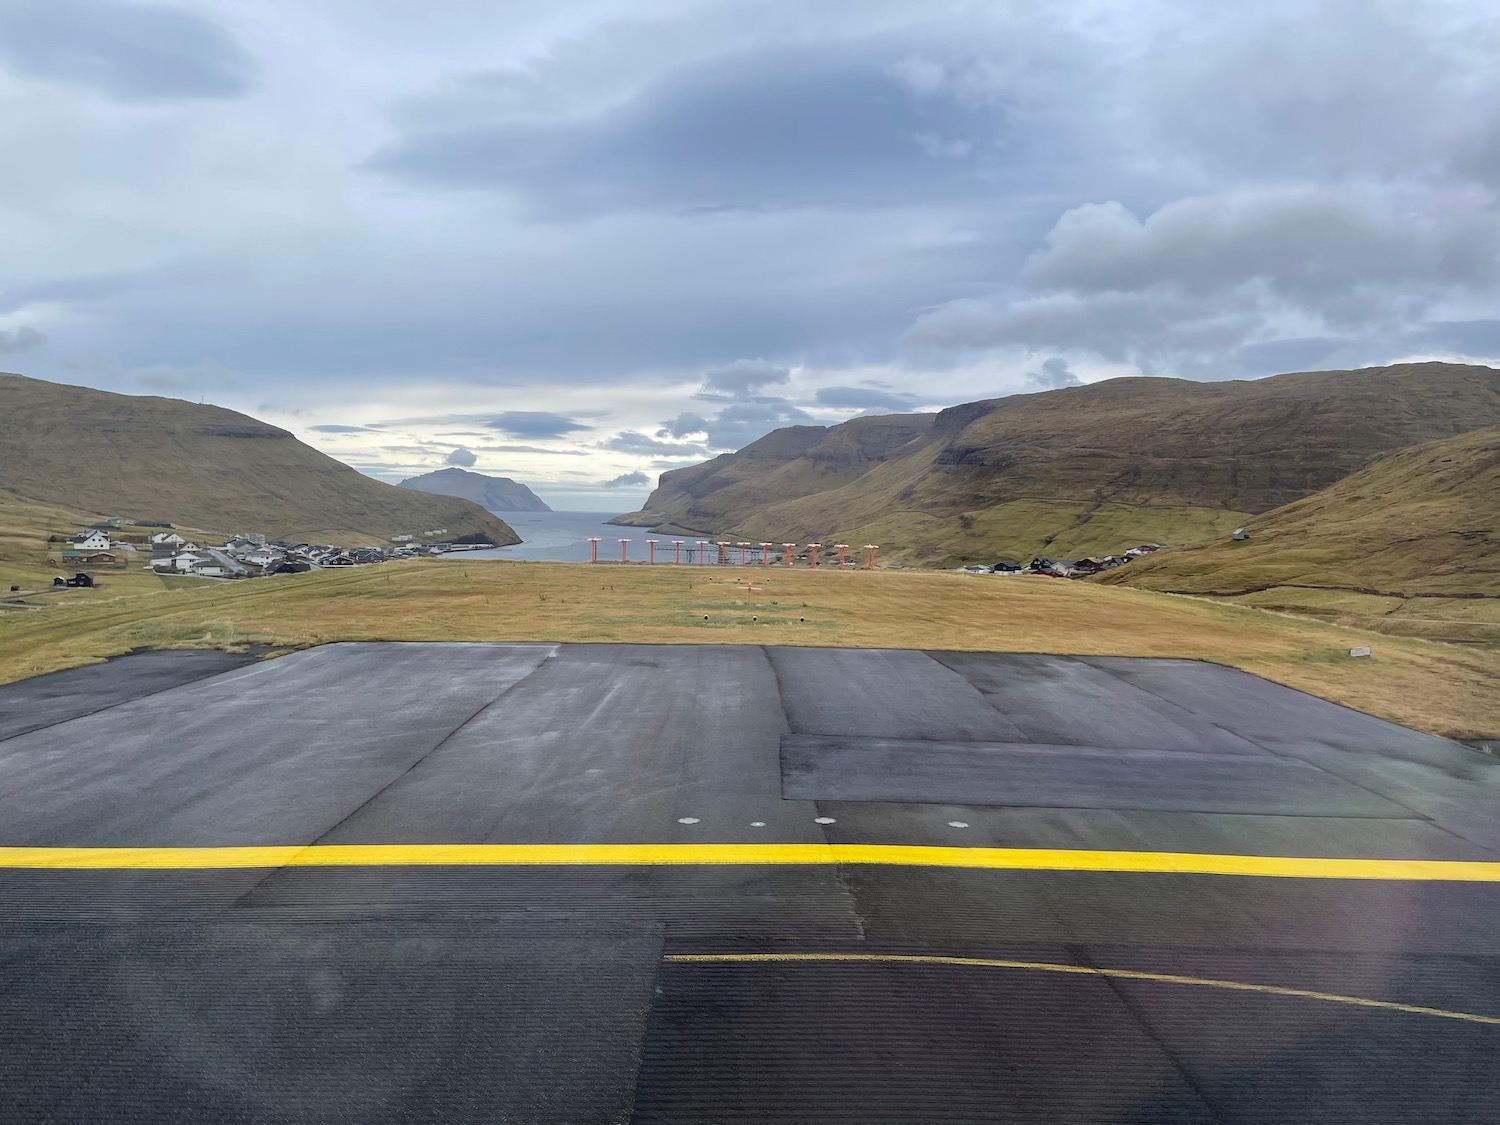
x,y
564,537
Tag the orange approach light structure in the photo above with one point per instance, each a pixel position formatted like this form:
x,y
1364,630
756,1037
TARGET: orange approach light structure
x,y
789,547
765,554
813,547
842,547
594,549
624,544
677,552
872,548
651,551
702,551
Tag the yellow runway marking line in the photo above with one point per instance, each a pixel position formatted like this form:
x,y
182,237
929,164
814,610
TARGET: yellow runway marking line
x,y
1078,970
525,855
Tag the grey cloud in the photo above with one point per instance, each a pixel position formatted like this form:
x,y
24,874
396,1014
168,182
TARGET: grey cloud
x,y
626,479
1476,337
791,291
1159,334
442,420
743,376
126,51
101,286
738,425
1323,90
629,441
683,425
535,424
803,201
1054,374
198,377
463,458
335,429
21,339
866,398
533,449
1292,354
773,127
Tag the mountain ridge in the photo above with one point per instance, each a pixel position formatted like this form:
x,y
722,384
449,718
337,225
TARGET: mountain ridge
x,y
204,466
1075,470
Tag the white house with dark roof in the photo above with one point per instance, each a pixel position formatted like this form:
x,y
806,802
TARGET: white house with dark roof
x,y
90,541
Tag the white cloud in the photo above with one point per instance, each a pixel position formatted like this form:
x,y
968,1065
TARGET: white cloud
x,y
624,479
1187,289
1304,243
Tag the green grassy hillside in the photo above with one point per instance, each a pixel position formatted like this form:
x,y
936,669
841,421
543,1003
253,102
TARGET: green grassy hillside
x,y
202,466
1076,470
786,464
1409,544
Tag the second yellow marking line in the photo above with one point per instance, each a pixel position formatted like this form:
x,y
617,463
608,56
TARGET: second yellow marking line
x,y
1078,970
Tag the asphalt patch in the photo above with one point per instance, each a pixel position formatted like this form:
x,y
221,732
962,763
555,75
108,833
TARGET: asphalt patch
x,y
253,1022
896,1044
45,701
976,773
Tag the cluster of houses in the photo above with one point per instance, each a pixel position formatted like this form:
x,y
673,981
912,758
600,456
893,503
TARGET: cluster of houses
x,y
252,556
1067,568
239,556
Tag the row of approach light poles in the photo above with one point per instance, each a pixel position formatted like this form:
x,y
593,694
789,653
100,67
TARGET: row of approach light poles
x,y
702,546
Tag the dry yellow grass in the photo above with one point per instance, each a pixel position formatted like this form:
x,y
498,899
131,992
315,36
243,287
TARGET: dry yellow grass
x,y
1449,690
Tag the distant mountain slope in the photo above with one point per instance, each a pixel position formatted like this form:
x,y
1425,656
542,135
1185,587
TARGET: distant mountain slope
x,y
494,494
1076,470
1423,520
786,464
203,466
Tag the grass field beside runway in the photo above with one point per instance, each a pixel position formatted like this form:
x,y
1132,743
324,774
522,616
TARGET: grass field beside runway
x,y
1448,690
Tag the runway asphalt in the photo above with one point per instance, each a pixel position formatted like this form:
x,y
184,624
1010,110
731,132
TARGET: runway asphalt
x,y
668,884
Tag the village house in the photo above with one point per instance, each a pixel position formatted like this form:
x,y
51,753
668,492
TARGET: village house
x,y
89,541
262,557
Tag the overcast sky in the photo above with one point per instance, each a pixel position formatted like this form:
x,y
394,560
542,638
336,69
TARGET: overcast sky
x,y
580,242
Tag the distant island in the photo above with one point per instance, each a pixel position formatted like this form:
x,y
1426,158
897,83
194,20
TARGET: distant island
x,y
495,494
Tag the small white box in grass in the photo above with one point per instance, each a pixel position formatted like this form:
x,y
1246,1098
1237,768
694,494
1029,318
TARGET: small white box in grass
x,y
1361,650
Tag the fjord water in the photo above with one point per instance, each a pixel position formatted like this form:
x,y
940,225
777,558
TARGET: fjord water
x,y
564,537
